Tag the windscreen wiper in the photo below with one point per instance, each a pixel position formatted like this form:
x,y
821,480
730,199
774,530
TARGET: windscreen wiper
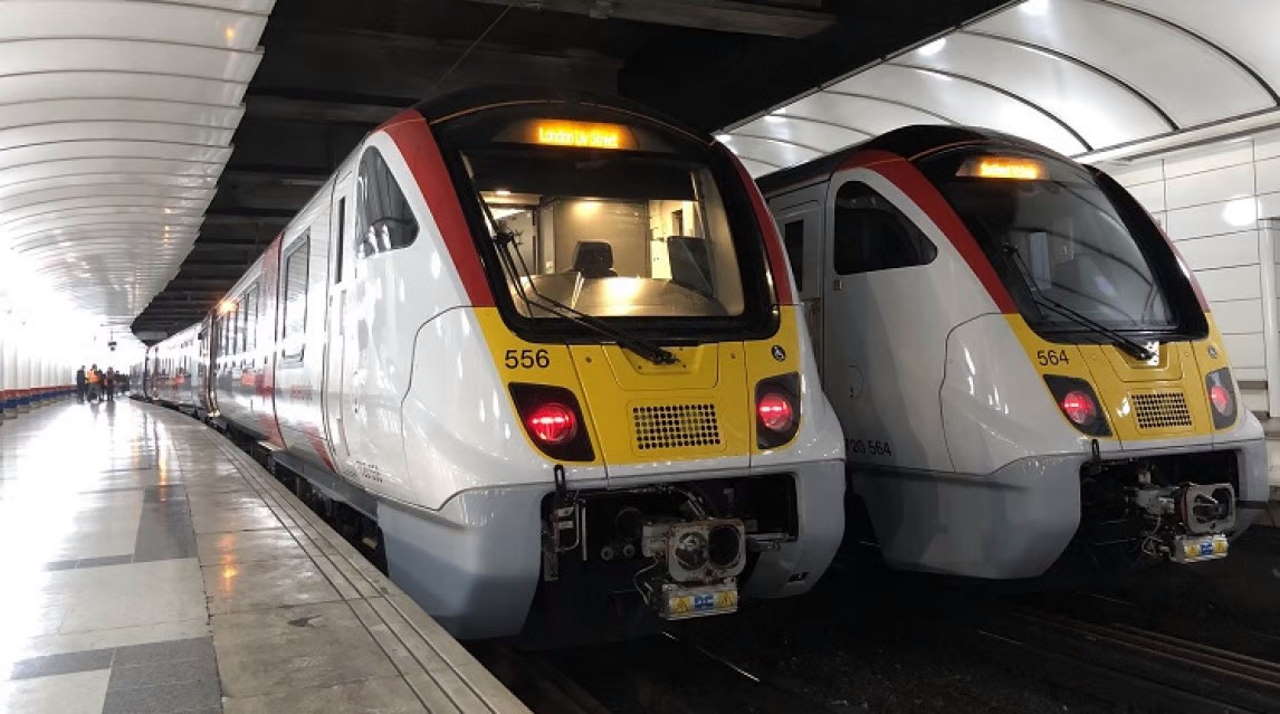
x,y
506,239
1134,348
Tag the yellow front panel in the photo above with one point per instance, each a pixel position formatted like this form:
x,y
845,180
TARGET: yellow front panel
x,y
1158,399
638,412
643,412
534,363
762,358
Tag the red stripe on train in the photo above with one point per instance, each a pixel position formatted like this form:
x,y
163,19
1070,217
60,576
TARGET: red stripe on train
x,y
412,136
769,231
925,195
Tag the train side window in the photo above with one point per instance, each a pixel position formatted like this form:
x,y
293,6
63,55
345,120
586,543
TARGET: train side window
x,y
384,220
793,240
295,297
338,242
251,317
872,234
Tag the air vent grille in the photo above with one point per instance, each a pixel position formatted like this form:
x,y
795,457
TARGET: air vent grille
x,y
674,426
1161,410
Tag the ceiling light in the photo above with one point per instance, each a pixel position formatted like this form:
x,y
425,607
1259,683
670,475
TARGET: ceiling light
x,y
723,137
933,48
1035,7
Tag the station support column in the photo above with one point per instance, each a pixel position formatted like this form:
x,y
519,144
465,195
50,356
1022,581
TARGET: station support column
x,y
1268,237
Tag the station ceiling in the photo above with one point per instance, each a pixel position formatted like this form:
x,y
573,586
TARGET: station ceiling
x,y
1093,79
333,69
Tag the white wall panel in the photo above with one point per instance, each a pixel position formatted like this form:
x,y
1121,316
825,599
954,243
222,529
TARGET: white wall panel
x,y
1150,195
1268,175
1230,283
1266,146
1238,316
1229,250
1244,350
1209,186
1212,219
1269,205
1134,174
1217,157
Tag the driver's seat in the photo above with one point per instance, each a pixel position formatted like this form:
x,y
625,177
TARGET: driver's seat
x,y
594,259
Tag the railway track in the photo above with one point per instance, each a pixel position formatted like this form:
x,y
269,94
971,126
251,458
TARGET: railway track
x,y
671,673
1123,663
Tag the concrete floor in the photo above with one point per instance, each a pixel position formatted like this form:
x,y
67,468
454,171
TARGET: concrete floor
x,y
151,567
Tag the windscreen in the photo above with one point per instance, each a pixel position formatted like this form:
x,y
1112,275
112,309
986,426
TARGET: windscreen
x,y
1057,241
611,234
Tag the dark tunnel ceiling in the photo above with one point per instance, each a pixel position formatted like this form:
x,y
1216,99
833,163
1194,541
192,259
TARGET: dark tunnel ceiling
x,y
333,69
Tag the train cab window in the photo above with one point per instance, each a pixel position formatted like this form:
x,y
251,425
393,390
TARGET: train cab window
x,y
872,234
1063,242
295,297
384,220
614,237
793,241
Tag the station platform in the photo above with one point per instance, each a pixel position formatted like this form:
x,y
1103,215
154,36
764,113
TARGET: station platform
x,y
150,566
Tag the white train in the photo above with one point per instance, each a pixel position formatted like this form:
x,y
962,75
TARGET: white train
x,y
545,352
1018,357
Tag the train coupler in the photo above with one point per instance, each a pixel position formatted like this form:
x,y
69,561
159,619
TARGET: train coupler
x,y
1187,523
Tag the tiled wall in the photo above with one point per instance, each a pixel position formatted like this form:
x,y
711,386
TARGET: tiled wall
x,y
1210,201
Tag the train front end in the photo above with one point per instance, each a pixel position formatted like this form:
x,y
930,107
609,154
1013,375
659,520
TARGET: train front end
x,y
1142,450
625,424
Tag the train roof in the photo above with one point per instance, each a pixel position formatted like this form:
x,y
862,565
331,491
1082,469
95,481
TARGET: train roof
x,y
907,141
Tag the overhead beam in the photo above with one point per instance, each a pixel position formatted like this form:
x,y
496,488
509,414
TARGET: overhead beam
x,y
724,78
384,64
260,104
719,15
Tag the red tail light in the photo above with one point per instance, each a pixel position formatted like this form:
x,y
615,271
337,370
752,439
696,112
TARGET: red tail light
x,y
553,420
1079,407
1221,399
552,423
775,412
1222,395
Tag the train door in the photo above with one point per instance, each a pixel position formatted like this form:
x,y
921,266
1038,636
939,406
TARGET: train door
x,y
885,367
800,223
341,269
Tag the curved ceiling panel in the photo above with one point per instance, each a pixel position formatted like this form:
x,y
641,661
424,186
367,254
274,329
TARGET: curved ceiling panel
x,y
116,122
112,55
775,152
107,182
1101,108
1246,27
874,115
1088,78
821,136
1190,80
967,101
149,110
